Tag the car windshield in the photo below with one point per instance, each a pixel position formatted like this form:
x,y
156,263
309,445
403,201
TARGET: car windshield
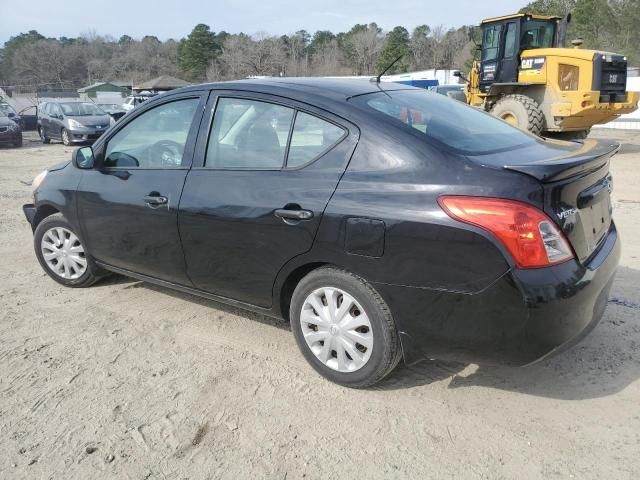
x,y
446,121
3,114
6,108
78,109
537,34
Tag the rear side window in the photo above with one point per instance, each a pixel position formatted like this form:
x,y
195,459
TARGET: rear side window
x,y
249,134
311,137
446,121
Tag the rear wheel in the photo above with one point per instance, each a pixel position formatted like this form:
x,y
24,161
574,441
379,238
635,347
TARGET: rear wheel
x,y
43,136
66,139
61,253
344,328
520,111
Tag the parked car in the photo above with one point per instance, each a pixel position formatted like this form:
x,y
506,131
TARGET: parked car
x,y
10,112
455,91
132,101
72,122
114,110
10,130
383,221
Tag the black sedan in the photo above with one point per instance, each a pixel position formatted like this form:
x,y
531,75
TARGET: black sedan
x,y
383,221
10,131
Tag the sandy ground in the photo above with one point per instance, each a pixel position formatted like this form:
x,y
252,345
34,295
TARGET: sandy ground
x,y
127,380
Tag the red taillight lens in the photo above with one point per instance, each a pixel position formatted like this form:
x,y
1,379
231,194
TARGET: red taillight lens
x,y
529,235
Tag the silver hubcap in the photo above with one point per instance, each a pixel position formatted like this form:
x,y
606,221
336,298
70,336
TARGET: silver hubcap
x,y
337,329
65,136
63,253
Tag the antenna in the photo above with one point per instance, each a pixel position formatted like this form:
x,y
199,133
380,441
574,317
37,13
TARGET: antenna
x,y
387,69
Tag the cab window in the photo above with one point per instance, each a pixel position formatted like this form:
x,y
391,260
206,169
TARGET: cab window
x,y
491,42
510,41
248,134
155,139
537,34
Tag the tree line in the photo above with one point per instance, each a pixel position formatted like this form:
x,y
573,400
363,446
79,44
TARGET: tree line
x,y
30,60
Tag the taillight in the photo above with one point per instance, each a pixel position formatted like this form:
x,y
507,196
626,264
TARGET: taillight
x,y
529,235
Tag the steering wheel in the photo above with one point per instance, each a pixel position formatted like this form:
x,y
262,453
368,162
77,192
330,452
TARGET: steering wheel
x,y
167,152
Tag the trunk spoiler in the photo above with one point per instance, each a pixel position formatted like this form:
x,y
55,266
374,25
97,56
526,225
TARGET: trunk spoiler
x,y
590,157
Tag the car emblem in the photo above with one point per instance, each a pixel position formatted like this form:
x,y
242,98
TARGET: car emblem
x,y
564,214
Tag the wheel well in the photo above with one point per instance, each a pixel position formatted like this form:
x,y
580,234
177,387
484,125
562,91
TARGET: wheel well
x,y
43,212
289,285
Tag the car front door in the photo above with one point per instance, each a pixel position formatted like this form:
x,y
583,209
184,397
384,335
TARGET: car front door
x,y
264,172
56,121
128,204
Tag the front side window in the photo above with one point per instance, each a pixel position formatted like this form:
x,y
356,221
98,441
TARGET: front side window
x,y
311,137
446,121
248,134
155,139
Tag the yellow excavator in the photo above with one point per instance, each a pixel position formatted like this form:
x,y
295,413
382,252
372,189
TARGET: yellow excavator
x,y
527,77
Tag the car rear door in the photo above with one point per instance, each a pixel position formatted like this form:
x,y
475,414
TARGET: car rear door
x,y
264,171
128,204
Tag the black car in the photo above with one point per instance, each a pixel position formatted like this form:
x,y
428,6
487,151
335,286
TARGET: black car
x,y
10,131
384,222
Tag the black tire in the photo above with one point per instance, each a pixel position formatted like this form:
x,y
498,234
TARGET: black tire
x,y
18,143
43,137
66,139
520,111
92,273
386,351
568,136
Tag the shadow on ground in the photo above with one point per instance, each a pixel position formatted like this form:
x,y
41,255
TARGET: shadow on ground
x,y
602,364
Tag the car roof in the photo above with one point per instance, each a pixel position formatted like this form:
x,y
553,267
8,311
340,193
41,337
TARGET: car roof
x,y
334,88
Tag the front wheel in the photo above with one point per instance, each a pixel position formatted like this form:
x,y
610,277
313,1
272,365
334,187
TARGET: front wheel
x,y
43,136
520,111
66,139
344,328
61,253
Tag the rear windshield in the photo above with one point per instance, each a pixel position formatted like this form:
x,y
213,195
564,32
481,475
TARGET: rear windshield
x,y
448,122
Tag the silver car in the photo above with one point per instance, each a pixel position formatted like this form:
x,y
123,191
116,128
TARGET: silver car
x,y
72,122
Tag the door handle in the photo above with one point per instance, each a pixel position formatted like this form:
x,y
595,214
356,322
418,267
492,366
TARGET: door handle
x,y
287,214
155,200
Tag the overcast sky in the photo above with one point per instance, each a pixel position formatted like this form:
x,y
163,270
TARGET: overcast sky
x,y
175,19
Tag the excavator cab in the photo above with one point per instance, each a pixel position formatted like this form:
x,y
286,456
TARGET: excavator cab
x,y
503,40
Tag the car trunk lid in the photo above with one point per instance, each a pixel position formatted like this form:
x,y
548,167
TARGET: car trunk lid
x,y
577,187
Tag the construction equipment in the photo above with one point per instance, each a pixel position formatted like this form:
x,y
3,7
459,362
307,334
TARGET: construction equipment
x,y
527,77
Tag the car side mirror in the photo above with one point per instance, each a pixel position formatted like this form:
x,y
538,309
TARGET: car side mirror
x,y
83,158
11,115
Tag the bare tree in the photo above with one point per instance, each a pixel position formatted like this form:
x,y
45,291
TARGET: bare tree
x,y
366,46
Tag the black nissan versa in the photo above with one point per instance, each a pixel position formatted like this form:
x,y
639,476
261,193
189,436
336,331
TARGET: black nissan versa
x,y
383,221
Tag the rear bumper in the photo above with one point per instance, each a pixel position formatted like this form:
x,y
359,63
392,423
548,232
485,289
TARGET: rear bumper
x,y
523,317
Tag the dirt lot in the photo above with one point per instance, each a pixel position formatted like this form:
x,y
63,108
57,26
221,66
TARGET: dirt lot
x,y
128,380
